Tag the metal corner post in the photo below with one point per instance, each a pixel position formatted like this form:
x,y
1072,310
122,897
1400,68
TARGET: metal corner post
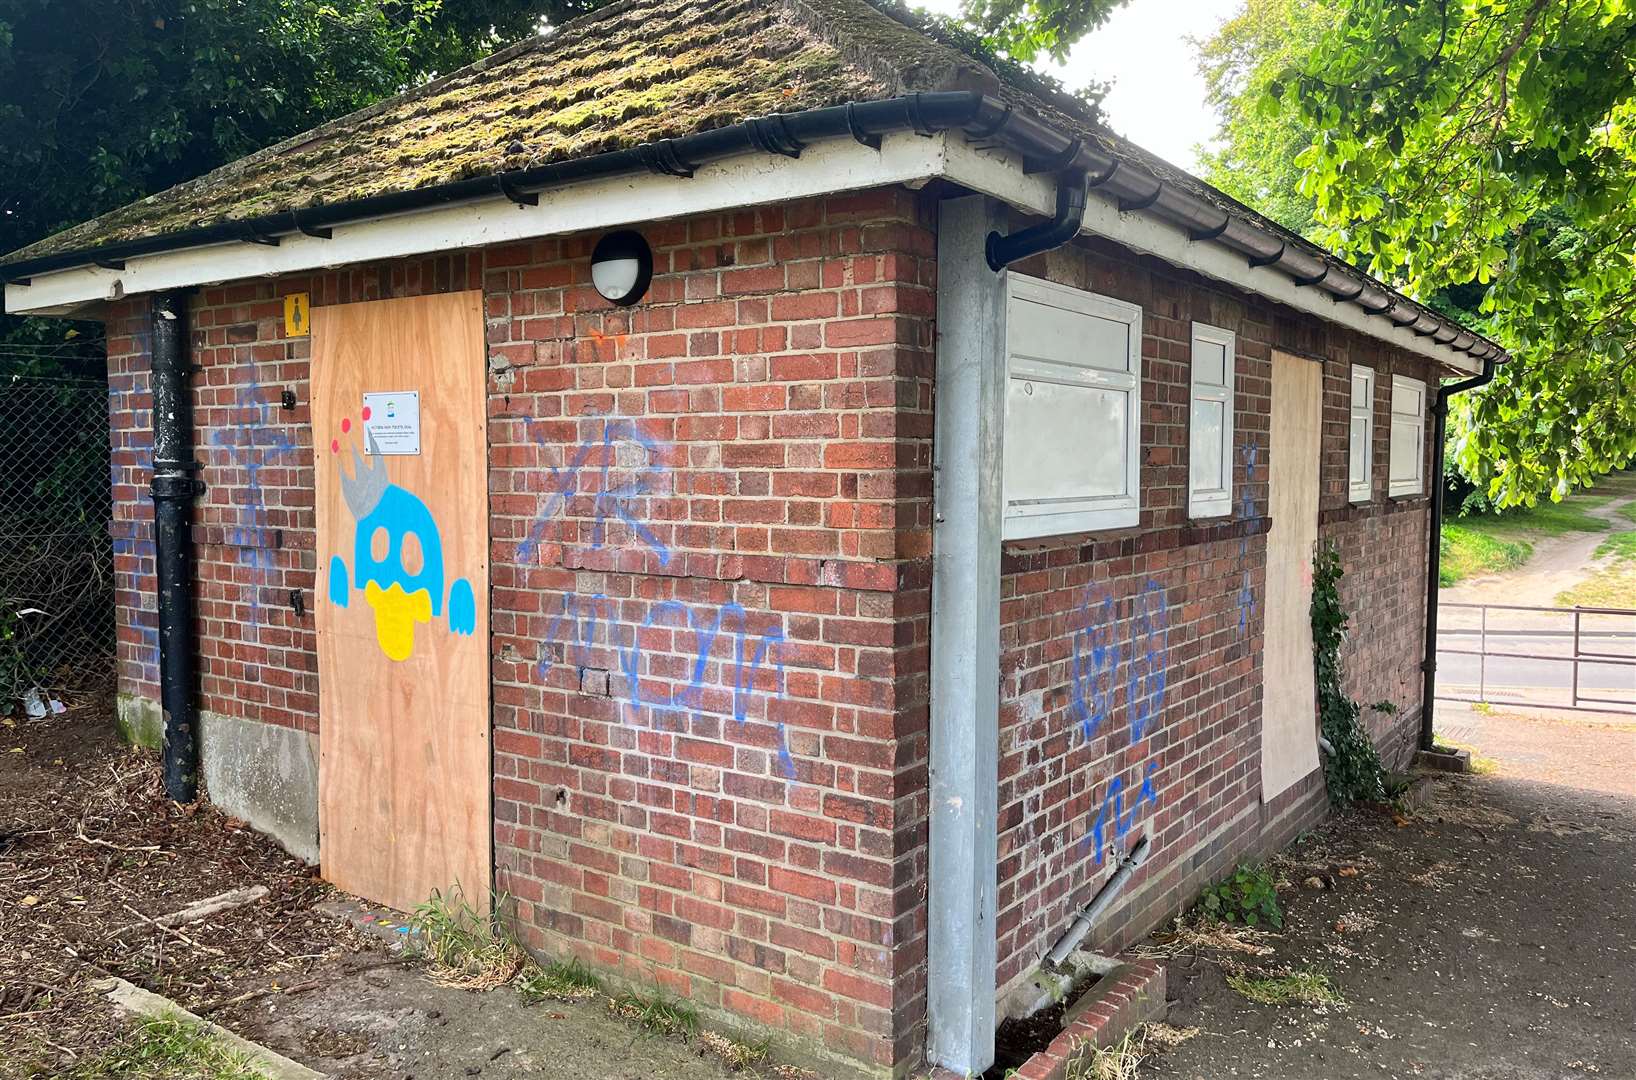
x,y
174,488
965,638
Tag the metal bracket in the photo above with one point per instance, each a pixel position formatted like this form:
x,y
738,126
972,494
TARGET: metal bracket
x,y
510,191
858,133
317,232
1055,163
662,157
771,134
1282,247
286,399
299,605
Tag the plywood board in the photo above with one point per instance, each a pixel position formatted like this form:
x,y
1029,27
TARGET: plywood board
x,y
1289,739
402,602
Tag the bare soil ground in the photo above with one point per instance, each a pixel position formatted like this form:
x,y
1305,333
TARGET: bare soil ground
x,y
90,851
1489,937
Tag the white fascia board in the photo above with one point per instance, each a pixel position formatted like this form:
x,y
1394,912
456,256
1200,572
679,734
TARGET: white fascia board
x,y
998,173
752,179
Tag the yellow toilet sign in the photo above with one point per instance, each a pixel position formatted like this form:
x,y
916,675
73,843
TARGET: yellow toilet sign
x,y
297,314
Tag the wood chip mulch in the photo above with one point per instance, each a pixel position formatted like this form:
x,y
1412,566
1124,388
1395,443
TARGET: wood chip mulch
x,y
91,852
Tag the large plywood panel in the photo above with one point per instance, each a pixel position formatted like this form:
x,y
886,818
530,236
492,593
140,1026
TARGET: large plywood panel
x,y
402,602
1289,742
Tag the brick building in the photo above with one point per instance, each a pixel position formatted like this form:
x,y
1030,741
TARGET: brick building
x,y
813,635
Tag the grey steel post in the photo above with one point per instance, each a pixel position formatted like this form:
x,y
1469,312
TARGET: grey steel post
x,y
965,645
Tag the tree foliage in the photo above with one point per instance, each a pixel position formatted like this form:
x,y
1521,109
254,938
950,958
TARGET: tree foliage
x,y
1492,141
1023,29
104,101
1254,159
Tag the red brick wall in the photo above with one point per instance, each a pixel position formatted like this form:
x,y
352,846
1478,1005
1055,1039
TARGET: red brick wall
x,y
130,426
698,527
1169,614
700,766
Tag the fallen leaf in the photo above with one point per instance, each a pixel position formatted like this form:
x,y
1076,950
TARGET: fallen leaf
x,y
1349,871
30,900
1314,882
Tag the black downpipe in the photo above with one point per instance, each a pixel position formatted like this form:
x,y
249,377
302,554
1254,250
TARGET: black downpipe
x,y
1002,251
1434,554
174,488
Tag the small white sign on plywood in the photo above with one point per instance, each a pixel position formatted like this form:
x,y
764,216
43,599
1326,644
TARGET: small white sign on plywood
x,y
392,422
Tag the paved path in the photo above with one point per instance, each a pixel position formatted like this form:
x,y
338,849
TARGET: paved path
x,y
1488,938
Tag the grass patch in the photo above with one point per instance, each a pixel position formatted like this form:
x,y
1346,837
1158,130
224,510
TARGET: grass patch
x,y
465,947
1468,552
1621,545
1123,1059
167,1049
1289,988
1612,586
655,1012
731,1052
562,980
1481,765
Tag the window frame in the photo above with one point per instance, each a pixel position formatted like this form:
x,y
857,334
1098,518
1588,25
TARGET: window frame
x,y
1212,502
1400,488
1361,489
1062,517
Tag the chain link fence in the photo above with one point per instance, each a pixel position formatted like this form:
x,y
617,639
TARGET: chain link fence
x,y
56,557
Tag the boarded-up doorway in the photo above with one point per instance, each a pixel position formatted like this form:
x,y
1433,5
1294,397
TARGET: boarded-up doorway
x,y
1289,741
402,597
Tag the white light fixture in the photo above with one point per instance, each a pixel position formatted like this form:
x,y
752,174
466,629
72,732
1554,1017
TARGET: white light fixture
x,y
622,267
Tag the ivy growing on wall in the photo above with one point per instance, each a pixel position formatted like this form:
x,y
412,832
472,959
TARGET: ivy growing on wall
x,y
1353,771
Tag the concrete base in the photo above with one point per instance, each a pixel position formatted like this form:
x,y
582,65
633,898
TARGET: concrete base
x,y
265,774
1442,759
140,721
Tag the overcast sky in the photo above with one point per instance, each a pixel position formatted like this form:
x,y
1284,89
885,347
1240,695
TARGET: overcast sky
x,y
1157,99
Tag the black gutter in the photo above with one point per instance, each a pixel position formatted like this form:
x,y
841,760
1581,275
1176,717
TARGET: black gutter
x,y
1434,552
981,116
174,488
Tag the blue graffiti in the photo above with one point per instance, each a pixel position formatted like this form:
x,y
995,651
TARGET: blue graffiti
x,y
1147,672
1123,820
252,444
1246,595
1097,659
609,499
1095,656
584,619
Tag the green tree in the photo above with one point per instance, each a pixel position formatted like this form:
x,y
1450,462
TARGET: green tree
x,y
1254,161
104,101
1023,29
1492,141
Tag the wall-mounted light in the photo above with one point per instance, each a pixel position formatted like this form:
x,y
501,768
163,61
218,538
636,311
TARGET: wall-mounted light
x,y
622,267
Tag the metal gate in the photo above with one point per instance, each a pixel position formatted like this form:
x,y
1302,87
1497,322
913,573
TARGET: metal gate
x,y
1561,658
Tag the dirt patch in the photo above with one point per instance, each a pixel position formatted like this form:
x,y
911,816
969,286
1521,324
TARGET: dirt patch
x,y
1478,941
92,851
392,1022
